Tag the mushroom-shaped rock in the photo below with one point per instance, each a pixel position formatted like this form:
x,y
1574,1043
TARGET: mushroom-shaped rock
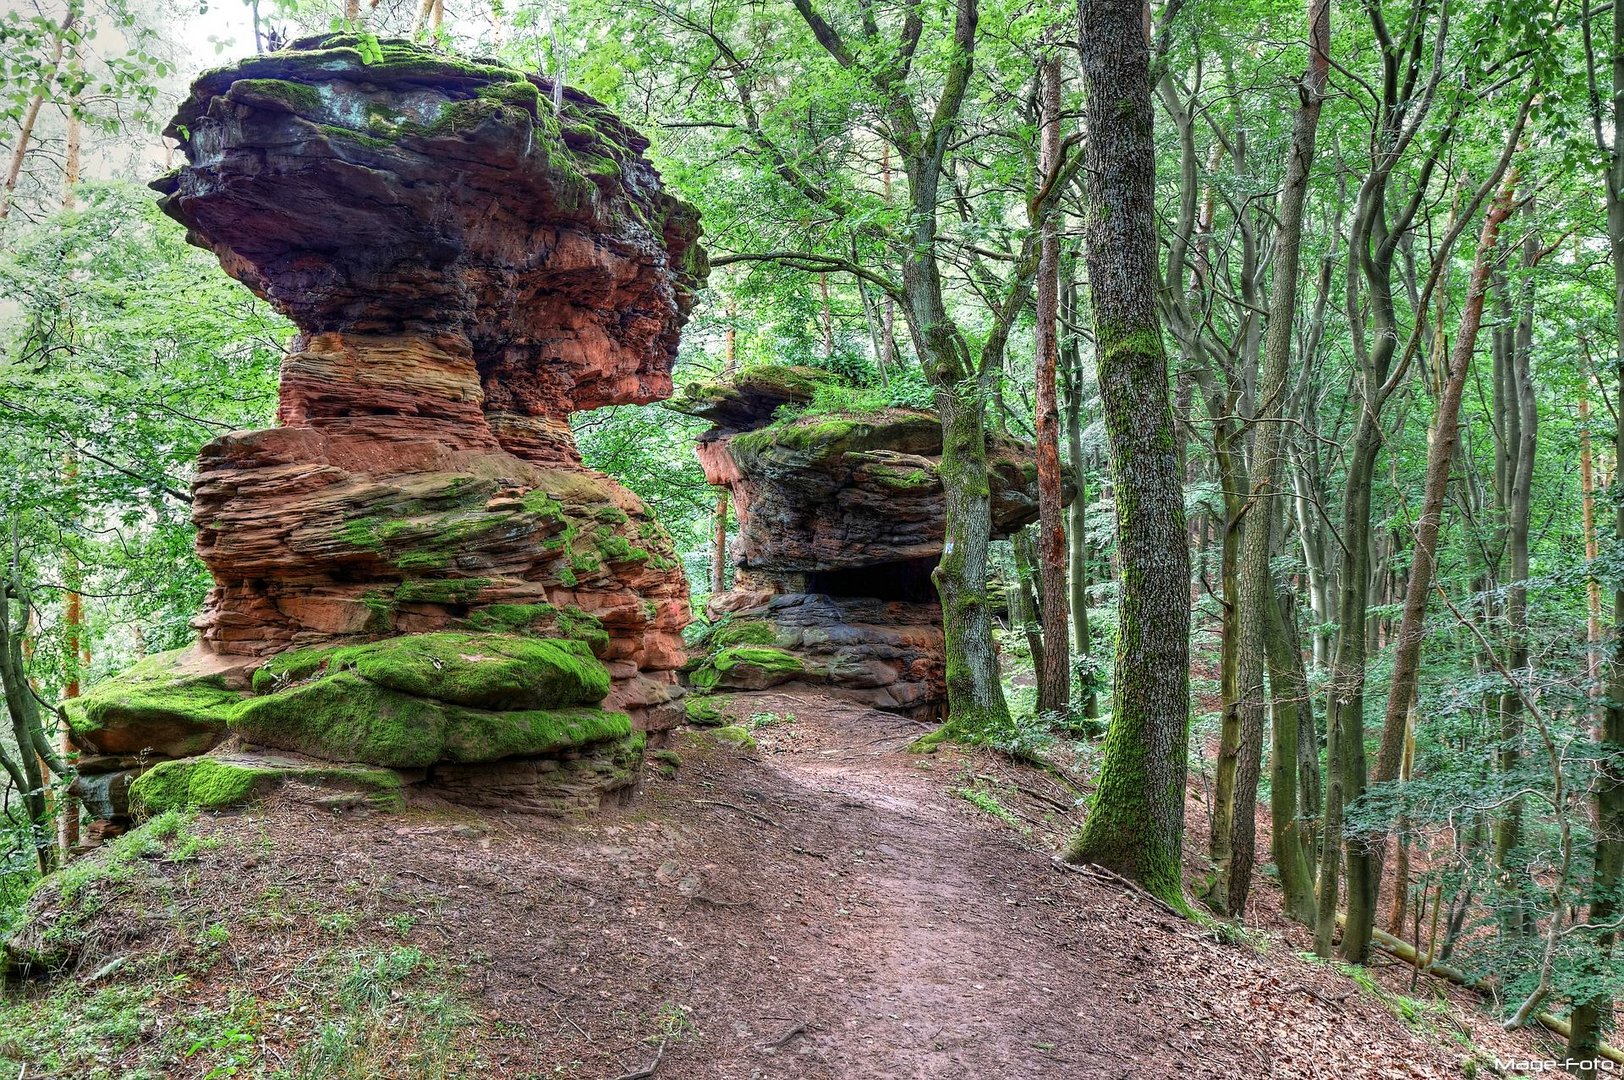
x,y
469,256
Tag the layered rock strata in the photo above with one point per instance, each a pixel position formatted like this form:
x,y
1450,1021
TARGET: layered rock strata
x,y
840,523
466,266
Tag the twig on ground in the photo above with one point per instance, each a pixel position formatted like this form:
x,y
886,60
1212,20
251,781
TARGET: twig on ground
x,y
797,1028
1064,808
1100,873
1333,1002
735,806
647,1070
558,1011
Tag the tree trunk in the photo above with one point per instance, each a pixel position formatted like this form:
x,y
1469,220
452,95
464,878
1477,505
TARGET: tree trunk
x,y
1344,713
1587,494
1076,513
1407,655
1054,673
826,317
1025,609
1590,1017
718,582
1256,597
1231,481
1515,341
1401,863
25,130
1135,825
1291,839
975,694
34,750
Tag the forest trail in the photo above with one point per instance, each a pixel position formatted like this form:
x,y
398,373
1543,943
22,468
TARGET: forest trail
x,y
825,906
961,950
951,964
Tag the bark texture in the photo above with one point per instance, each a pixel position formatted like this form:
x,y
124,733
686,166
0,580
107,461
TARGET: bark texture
x,y
1136,823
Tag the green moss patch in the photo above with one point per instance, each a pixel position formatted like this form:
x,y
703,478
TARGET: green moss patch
x,y
162,704
474,735
734,735
344,717
409,702
748,667
743,632
499,671
705,710
211,782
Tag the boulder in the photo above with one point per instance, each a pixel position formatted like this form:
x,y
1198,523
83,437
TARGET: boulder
x,y
237,778
840,518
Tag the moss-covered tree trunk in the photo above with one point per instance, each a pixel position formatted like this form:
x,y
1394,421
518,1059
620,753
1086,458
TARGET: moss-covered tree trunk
x,y
1135,824
1292,838
1345,706
975,696
1228,464
1024,607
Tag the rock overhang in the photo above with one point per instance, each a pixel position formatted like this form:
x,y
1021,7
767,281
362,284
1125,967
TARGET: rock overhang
x,y
378,187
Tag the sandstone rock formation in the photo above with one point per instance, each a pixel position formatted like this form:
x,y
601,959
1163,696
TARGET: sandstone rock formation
x,y
839,527
466,267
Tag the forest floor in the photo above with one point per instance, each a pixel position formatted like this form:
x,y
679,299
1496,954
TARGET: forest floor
x,y
825,905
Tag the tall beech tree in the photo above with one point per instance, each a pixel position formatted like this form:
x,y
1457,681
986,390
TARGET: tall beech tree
x,y
1258,604
1604,64
1445,437
1135,823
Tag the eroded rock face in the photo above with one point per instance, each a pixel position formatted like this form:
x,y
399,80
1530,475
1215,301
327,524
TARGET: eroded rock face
x,y
840,523
466,268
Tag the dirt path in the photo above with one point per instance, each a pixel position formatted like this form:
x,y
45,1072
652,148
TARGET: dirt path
x,y
825,907
961,951
946,976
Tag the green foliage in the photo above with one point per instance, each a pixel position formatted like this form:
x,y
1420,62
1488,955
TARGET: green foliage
x,y
122,351
364,1011
989,803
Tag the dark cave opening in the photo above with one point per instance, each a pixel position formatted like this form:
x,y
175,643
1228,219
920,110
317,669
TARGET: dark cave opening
x,y
907,580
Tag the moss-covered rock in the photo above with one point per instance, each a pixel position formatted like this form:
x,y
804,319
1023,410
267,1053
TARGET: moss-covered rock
x,y
747,667
750,398
404,713
345,717
733,735
493,671
170,704
705,710
215,782
730,632
474,735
